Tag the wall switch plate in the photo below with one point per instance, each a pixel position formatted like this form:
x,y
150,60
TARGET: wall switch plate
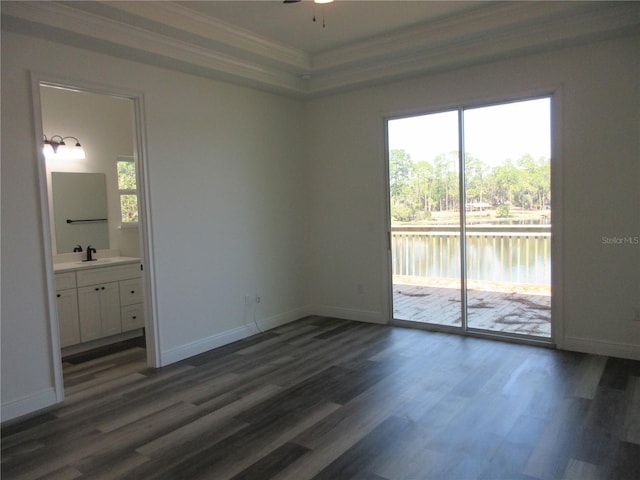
x,y
247,299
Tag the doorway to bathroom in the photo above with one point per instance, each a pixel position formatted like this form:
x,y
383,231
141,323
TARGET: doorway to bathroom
x,y
93,212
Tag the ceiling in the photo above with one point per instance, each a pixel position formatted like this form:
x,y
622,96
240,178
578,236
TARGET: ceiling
x,y
345,21
278,47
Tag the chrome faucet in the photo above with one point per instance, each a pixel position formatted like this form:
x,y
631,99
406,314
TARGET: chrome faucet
x,y
90,250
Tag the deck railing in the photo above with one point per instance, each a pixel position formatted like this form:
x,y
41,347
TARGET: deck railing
x,y
500,253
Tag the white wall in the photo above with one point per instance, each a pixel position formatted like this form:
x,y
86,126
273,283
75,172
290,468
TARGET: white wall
x,y
600,161
104,126
224,184
255,193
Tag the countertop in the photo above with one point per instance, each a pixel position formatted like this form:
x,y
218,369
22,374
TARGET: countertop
x,y
100,262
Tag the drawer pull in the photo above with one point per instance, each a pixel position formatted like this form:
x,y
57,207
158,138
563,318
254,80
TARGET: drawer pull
x,y
134,317
133,291
58,295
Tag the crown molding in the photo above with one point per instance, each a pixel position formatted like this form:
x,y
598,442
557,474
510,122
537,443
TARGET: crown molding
x,y
540,33
244,42
454,28
219,50
69,19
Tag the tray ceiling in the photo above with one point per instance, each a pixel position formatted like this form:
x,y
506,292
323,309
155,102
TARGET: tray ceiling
x,y
278,47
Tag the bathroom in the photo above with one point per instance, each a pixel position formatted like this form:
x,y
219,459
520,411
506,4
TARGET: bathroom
x,y
93,219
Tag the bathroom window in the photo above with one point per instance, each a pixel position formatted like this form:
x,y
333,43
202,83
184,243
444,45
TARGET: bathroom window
x,y
127,189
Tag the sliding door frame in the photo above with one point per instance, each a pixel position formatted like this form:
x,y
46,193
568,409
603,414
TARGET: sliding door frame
x,y
554,95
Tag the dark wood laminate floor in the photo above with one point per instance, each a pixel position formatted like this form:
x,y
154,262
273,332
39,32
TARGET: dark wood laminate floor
x,y
330,399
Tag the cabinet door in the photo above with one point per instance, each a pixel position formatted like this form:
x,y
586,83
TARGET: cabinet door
x,y
89,313
68,320
110,309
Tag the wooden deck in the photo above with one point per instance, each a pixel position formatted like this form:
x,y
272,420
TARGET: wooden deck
x,y
508,312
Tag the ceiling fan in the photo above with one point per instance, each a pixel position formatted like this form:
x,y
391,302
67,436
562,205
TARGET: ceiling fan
x,y
314,1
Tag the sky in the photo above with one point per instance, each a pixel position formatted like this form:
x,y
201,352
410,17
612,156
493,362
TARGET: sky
x,y
492,134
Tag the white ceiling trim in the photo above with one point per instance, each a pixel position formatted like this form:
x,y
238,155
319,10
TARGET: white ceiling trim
x,y
451,29
94,26
485,46
174,15
489,32
546,18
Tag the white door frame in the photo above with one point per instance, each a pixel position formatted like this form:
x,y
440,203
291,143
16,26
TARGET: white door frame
x,y
146,240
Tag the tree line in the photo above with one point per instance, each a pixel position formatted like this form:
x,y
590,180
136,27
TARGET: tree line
x,y
419,188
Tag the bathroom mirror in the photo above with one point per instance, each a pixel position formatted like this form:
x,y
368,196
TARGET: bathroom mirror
x,y
80,210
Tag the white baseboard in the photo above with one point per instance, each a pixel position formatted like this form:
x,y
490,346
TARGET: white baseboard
x,y
229,336
204,345
29,404
223,338
599,347
349,314
284,318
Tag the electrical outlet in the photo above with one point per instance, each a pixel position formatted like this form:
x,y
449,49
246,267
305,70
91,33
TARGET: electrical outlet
x,y
258,299
247,300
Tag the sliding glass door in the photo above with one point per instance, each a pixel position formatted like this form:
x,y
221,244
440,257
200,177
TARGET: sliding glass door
x,y
424,186
471,251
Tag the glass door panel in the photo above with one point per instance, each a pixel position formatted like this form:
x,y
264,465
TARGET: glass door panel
x,y
508,217
424,186
501,209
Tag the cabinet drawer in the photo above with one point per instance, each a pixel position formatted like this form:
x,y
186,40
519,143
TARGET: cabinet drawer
x,y
65,281
131,291
132,317
93,276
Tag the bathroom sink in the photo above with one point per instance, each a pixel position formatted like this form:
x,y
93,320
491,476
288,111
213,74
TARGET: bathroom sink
x,y
99,261
102,261
80,265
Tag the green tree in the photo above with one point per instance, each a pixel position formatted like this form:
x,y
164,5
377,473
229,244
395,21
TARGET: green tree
x,y
475,181
422,185
400,173
506,180
418,188
446,180
400,170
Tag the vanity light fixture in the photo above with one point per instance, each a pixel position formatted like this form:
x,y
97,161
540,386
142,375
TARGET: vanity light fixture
x,y
55,147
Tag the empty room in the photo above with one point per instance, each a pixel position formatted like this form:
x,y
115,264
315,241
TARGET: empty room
x,y
296,240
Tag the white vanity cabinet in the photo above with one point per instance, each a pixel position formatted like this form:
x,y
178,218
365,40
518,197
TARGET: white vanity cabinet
x,y
99,311
98,302
67,307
